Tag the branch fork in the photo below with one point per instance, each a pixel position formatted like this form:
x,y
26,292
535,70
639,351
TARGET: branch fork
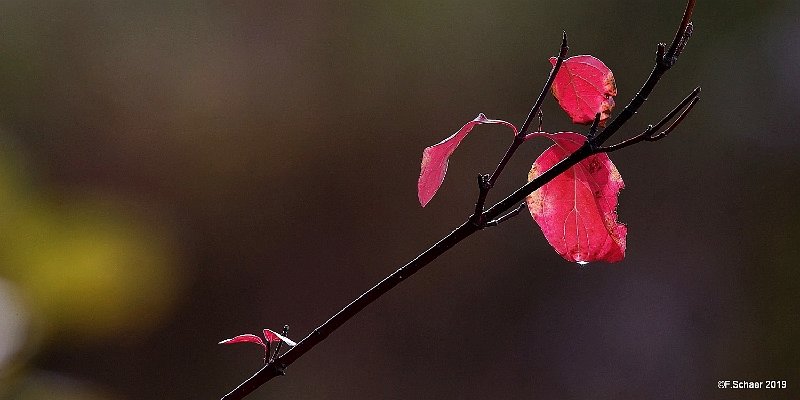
x,y
486,182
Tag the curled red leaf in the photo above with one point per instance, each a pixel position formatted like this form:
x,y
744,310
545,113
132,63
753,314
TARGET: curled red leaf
x,y
584,86
247,338
273,336
435,158
577,210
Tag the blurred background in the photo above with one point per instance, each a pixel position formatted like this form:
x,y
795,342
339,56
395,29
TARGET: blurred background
x,y
174,173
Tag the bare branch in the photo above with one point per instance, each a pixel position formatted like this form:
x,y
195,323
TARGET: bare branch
x,y
664,60
650,134
562,55
680,118
681,36
508,216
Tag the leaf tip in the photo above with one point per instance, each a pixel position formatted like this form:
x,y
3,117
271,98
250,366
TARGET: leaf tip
x,y
423,201
431,175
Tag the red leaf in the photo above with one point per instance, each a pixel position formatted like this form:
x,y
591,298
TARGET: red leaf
x,y
435,158
273,336
577,209
246,338
584,87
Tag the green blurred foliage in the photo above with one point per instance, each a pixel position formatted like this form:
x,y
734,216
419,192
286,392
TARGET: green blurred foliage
x,y
85,266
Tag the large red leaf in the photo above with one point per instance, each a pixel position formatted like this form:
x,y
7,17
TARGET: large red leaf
x,y
435,158
577,209
584,87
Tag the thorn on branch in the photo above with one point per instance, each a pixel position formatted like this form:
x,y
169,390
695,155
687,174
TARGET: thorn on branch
x,y
280,369
541,120
483,182
660,50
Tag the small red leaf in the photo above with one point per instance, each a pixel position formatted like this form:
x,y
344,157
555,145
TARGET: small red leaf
x,y
273,336
577,210
435,158
584,87
246,338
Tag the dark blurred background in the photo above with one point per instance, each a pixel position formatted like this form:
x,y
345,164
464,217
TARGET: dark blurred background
x,y
174,173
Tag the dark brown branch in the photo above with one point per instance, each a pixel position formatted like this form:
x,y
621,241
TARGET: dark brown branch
x,y
650,134
466,229
483,190
677,121
562,55
278,365
485,184
682,35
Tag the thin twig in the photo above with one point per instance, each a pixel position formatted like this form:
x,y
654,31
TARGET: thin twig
x,y
675,123
506,217
682,35
664,61
650,134
562,55
486,184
